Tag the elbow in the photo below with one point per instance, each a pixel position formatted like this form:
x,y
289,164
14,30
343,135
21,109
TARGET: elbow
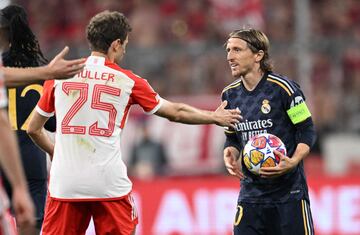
x,y
174,118
176,114
31,131
306,134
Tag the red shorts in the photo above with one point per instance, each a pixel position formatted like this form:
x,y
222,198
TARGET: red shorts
x,y
116,217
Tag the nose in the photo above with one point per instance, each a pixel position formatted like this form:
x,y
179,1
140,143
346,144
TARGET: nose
x,y
229,56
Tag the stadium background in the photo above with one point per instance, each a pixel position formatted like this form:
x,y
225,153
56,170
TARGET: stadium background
x,y
178,46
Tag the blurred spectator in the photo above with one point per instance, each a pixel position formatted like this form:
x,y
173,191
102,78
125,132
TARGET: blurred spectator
x,y
148,158
351,84
147,14
325,107
277,13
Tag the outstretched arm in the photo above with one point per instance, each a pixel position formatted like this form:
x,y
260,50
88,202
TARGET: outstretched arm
x,y
11,164
179,112
58,68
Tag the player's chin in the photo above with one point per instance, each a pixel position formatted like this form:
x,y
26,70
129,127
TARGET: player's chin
x,y
235,73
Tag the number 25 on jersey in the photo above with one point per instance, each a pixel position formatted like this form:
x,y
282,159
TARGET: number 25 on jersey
x,y
96,103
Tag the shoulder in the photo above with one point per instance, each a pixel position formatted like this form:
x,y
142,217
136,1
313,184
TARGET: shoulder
x,y
128,73
117,68
236,83
283,83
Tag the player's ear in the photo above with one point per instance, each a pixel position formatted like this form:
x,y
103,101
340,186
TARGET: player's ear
x,y
259,55
116,45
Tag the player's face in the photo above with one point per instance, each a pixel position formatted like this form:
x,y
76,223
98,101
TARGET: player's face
x,y
241,59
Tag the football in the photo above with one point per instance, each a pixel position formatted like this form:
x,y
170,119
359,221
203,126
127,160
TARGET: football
x,y
258,152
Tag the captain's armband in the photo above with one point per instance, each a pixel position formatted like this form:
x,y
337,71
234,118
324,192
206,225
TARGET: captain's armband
x,y
298,113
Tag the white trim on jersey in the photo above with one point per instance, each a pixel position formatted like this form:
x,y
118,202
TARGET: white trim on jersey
x,y
161,101
43,113
232,84
283,81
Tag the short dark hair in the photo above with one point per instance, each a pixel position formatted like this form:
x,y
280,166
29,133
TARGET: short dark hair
x,y
256,41
106,27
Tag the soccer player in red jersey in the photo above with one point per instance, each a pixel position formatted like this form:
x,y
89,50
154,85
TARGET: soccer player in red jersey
x,y
21,49
88,177
9,154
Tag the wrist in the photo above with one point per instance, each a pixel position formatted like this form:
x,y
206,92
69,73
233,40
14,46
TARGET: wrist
x,y
295,161
215,118
45,72
19,187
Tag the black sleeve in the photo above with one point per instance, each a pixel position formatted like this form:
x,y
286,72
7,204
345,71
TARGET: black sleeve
x,y
305,132
231,138
232,141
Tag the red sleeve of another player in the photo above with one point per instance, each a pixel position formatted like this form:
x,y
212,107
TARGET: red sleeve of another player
x,y
144,95
46,102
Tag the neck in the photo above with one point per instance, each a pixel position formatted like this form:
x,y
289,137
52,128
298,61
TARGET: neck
x,y
100,54
251,80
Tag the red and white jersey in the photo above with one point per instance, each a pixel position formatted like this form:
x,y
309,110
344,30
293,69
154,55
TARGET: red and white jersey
x,y
3,95
91,110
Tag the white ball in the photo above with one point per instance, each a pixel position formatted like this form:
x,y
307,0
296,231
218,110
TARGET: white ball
x,y
258,152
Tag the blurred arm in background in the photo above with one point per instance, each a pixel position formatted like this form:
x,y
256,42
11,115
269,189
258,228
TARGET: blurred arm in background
x,y
58,68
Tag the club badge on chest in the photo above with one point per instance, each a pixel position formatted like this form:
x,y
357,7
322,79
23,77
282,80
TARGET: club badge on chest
x,y
265,107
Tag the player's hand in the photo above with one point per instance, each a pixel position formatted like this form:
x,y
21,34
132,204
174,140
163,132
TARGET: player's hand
x,y
284,166
232,165
59,68
227,117
23,207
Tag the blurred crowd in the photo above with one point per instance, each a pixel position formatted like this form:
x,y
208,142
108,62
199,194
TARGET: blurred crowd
x,y
178,45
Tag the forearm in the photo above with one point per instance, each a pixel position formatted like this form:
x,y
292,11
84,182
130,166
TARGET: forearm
x,y
9,154
179,112
301,151
232,141
21,76
190,115
183,113
42,140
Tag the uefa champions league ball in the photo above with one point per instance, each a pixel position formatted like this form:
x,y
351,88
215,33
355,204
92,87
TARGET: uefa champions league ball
x,y
258,152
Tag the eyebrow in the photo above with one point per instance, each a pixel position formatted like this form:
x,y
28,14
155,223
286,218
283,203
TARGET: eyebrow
x,y
248,42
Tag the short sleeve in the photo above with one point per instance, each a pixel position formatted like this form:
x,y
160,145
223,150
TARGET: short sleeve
x,y
144,95
45,106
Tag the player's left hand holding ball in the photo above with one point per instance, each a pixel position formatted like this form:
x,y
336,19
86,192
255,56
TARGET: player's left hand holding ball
x,y
284,166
